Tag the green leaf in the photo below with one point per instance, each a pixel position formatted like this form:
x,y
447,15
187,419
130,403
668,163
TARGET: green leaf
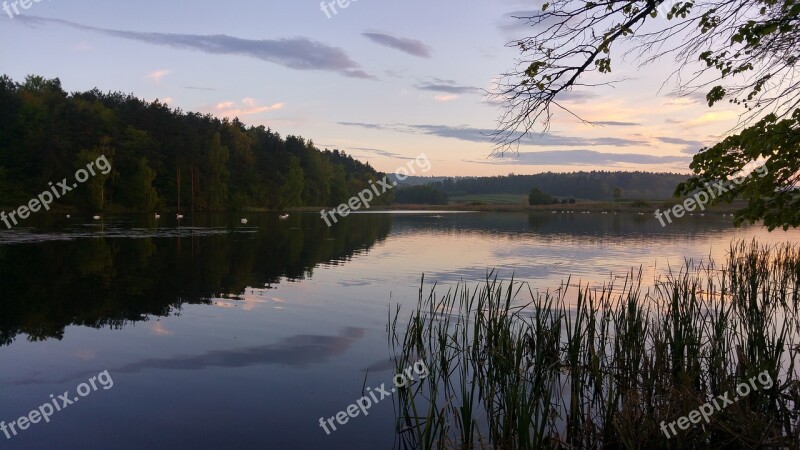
x,y
716,94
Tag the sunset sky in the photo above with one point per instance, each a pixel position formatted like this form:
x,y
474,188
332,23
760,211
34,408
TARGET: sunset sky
x,y
382,80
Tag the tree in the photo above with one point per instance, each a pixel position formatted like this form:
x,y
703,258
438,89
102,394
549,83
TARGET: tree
x,y
771,191
617,194
292,189
537,197
140,189
218,174
136,176
244,185
339,193
95,185
747,52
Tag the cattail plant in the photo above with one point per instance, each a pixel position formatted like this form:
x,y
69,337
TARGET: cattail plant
x,y
607,367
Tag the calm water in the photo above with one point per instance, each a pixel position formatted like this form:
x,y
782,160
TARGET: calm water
x,y
222,335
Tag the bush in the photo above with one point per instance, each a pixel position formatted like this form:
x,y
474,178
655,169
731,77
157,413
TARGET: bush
x,y
537,197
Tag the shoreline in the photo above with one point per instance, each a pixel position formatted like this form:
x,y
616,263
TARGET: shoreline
x,y
598,207
593,207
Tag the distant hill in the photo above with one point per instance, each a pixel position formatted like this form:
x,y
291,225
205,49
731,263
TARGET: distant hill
x,y
595,185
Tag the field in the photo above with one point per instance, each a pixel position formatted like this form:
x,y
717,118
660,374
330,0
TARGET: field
x,y
490,199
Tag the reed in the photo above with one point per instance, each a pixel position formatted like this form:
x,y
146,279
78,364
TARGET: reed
x,y
603,368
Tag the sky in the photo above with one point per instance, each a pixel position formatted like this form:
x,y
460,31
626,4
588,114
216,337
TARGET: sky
x,y
384,81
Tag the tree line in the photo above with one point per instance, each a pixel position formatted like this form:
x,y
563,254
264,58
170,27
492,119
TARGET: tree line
x,y
161,157
595,185
420,195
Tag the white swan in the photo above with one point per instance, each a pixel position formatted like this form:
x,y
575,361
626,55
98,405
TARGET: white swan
x,y
284,216
96,217
244,221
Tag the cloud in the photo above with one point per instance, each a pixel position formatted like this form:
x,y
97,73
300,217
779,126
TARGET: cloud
x,y
157,75
711,118
298,351
690,97
447,87
471,134
410,46
445,97
294,351
294,53
82,47
690,147
462,133
395,73
547,139
511,22
247,107
371,126
612,123
678,141
381,152
581,158
159,329
576,96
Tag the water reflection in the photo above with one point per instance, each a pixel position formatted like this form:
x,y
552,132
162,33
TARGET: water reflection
x,y
298,351
123,270
122,273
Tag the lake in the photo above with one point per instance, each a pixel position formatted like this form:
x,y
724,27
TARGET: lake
x,y
216,334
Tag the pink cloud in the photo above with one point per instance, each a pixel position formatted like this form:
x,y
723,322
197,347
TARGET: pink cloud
x,y
157,75
445,97
248,106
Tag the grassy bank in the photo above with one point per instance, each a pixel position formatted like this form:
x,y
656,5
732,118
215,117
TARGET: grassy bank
x,y
608,368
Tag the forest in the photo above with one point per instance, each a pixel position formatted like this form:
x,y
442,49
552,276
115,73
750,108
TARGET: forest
x,y
595,185
162,158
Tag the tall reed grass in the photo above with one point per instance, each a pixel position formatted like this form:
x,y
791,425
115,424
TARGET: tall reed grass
x,y
602,368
